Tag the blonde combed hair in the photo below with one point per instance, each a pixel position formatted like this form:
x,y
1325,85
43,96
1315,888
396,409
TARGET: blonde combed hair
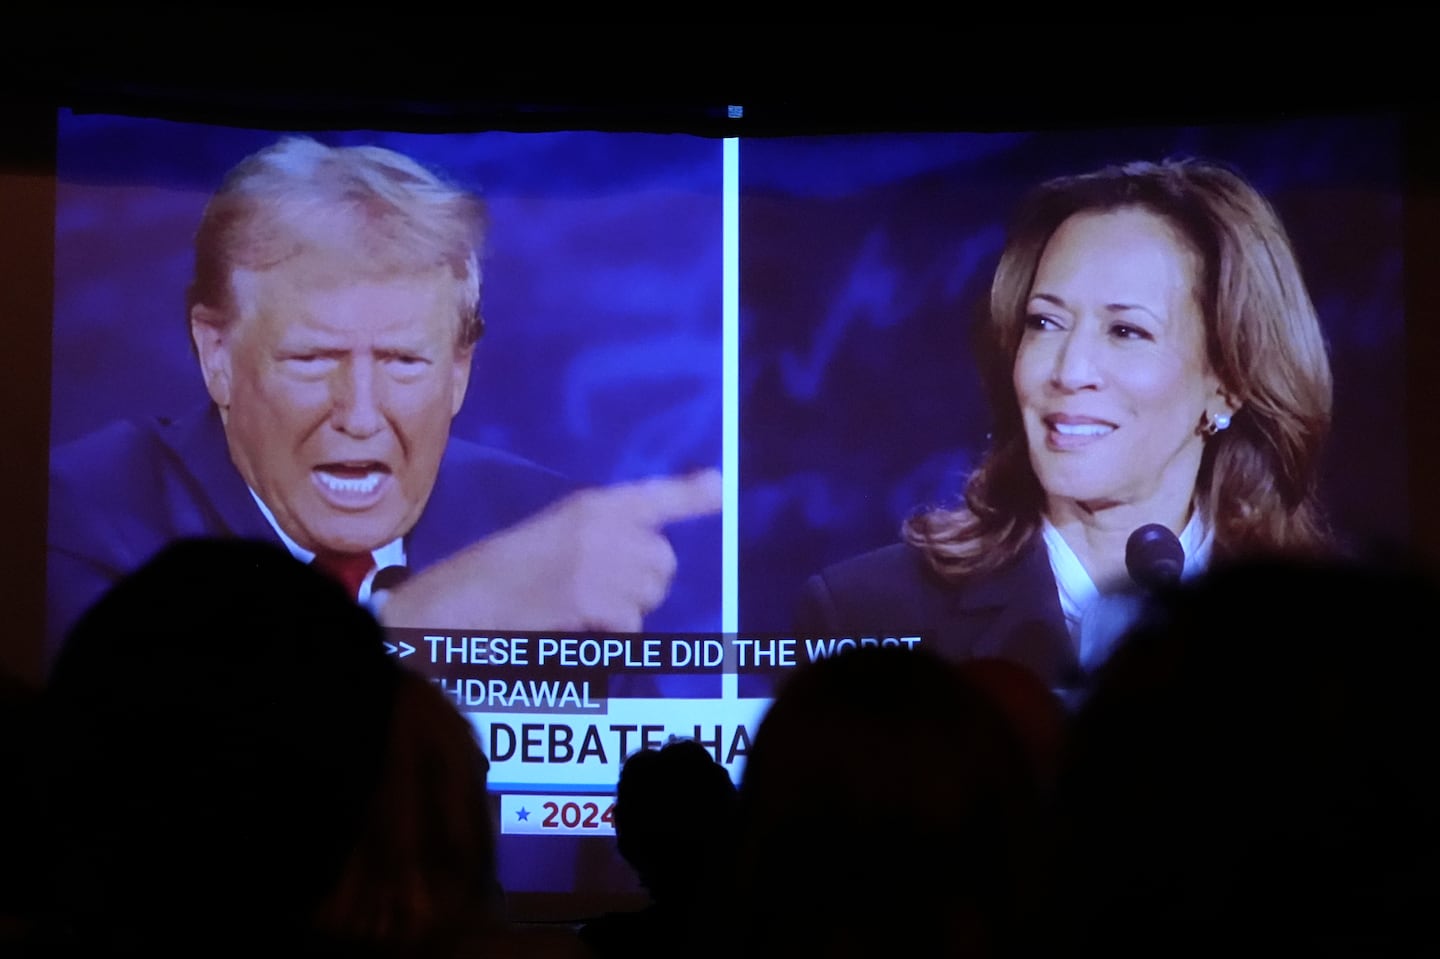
x,y
362,211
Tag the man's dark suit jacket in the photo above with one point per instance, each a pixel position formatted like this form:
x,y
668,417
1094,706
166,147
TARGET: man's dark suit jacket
x,y
1012,613
119,495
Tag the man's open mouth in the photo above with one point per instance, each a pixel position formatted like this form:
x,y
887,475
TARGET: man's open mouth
x,y
351,479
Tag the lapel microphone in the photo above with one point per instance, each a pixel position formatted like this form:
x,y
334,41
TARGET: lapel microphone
x,y
388,578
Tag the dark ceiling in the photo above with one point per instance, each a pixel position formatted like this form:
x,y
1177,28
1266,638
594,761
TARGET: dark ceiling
x,y
439,71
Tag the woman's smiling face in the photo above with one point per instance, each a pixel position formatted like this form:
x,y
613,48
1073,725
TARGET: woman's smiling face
x,y
1111,374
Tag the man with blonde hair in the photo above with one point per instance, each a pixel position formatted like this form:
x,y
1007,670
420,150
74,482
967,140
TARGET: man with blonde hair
x,y
335,311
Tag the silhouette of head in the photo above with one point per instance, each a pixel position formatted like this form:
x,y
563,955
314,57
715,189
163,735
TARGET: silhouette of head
x,y
676,818
1253,764
422,874
887,802
211,735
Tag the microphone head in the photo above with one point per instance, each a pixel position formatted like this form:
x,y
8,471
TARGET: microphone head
x,y
1154,556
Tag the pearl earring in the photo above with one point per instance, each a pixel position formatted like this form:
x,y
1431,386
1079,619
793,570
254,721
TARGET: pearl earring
x,y
1218,422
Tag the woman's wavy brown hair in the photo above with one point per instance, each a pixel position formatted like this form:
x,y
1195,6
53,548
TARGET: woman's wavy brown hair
x,y
422,875
1258,479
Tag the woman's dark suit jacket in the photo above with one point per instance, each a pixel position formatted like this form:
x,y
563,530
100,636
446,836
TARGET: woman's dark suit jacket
x,y
1012,613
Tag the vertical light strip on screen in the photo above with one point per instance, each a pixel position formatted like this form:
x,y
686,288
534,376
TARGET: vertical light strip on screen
x,y
730,457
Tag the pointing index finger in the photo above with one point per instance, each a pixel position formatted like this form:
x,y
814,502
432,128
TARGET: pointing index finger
x,y
669,499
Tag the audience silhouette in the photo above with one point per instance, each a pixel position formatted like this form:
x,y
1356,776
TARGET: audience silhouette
x,y
230,761
421,880
225,759
421,876
676,824
1255,768
20,854
1037,714
889,808
209,736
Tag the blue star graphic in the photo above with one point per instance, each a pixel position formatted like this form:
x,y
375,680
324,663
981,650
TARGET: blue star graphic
x,y
523,813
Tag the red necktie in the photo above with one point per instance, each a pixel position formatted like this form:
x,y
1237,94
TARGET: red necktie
x,y
348,569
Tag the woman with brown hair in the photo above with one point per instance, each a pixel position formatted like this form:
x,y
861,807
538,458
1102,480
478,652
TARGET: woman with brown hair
x,y
421,879
1151,357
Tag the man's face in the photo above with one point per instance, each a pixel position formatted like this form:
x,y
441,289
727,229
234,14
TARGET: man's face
x,y
337,397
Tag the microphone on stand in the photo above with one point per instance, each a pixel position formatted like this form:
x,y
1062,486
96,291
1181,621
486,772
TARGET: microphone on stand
x,y
1154,557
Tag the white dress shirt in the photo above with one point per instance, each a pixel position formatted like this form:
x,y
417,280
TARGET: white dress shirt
x,y
1095,619
391,554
